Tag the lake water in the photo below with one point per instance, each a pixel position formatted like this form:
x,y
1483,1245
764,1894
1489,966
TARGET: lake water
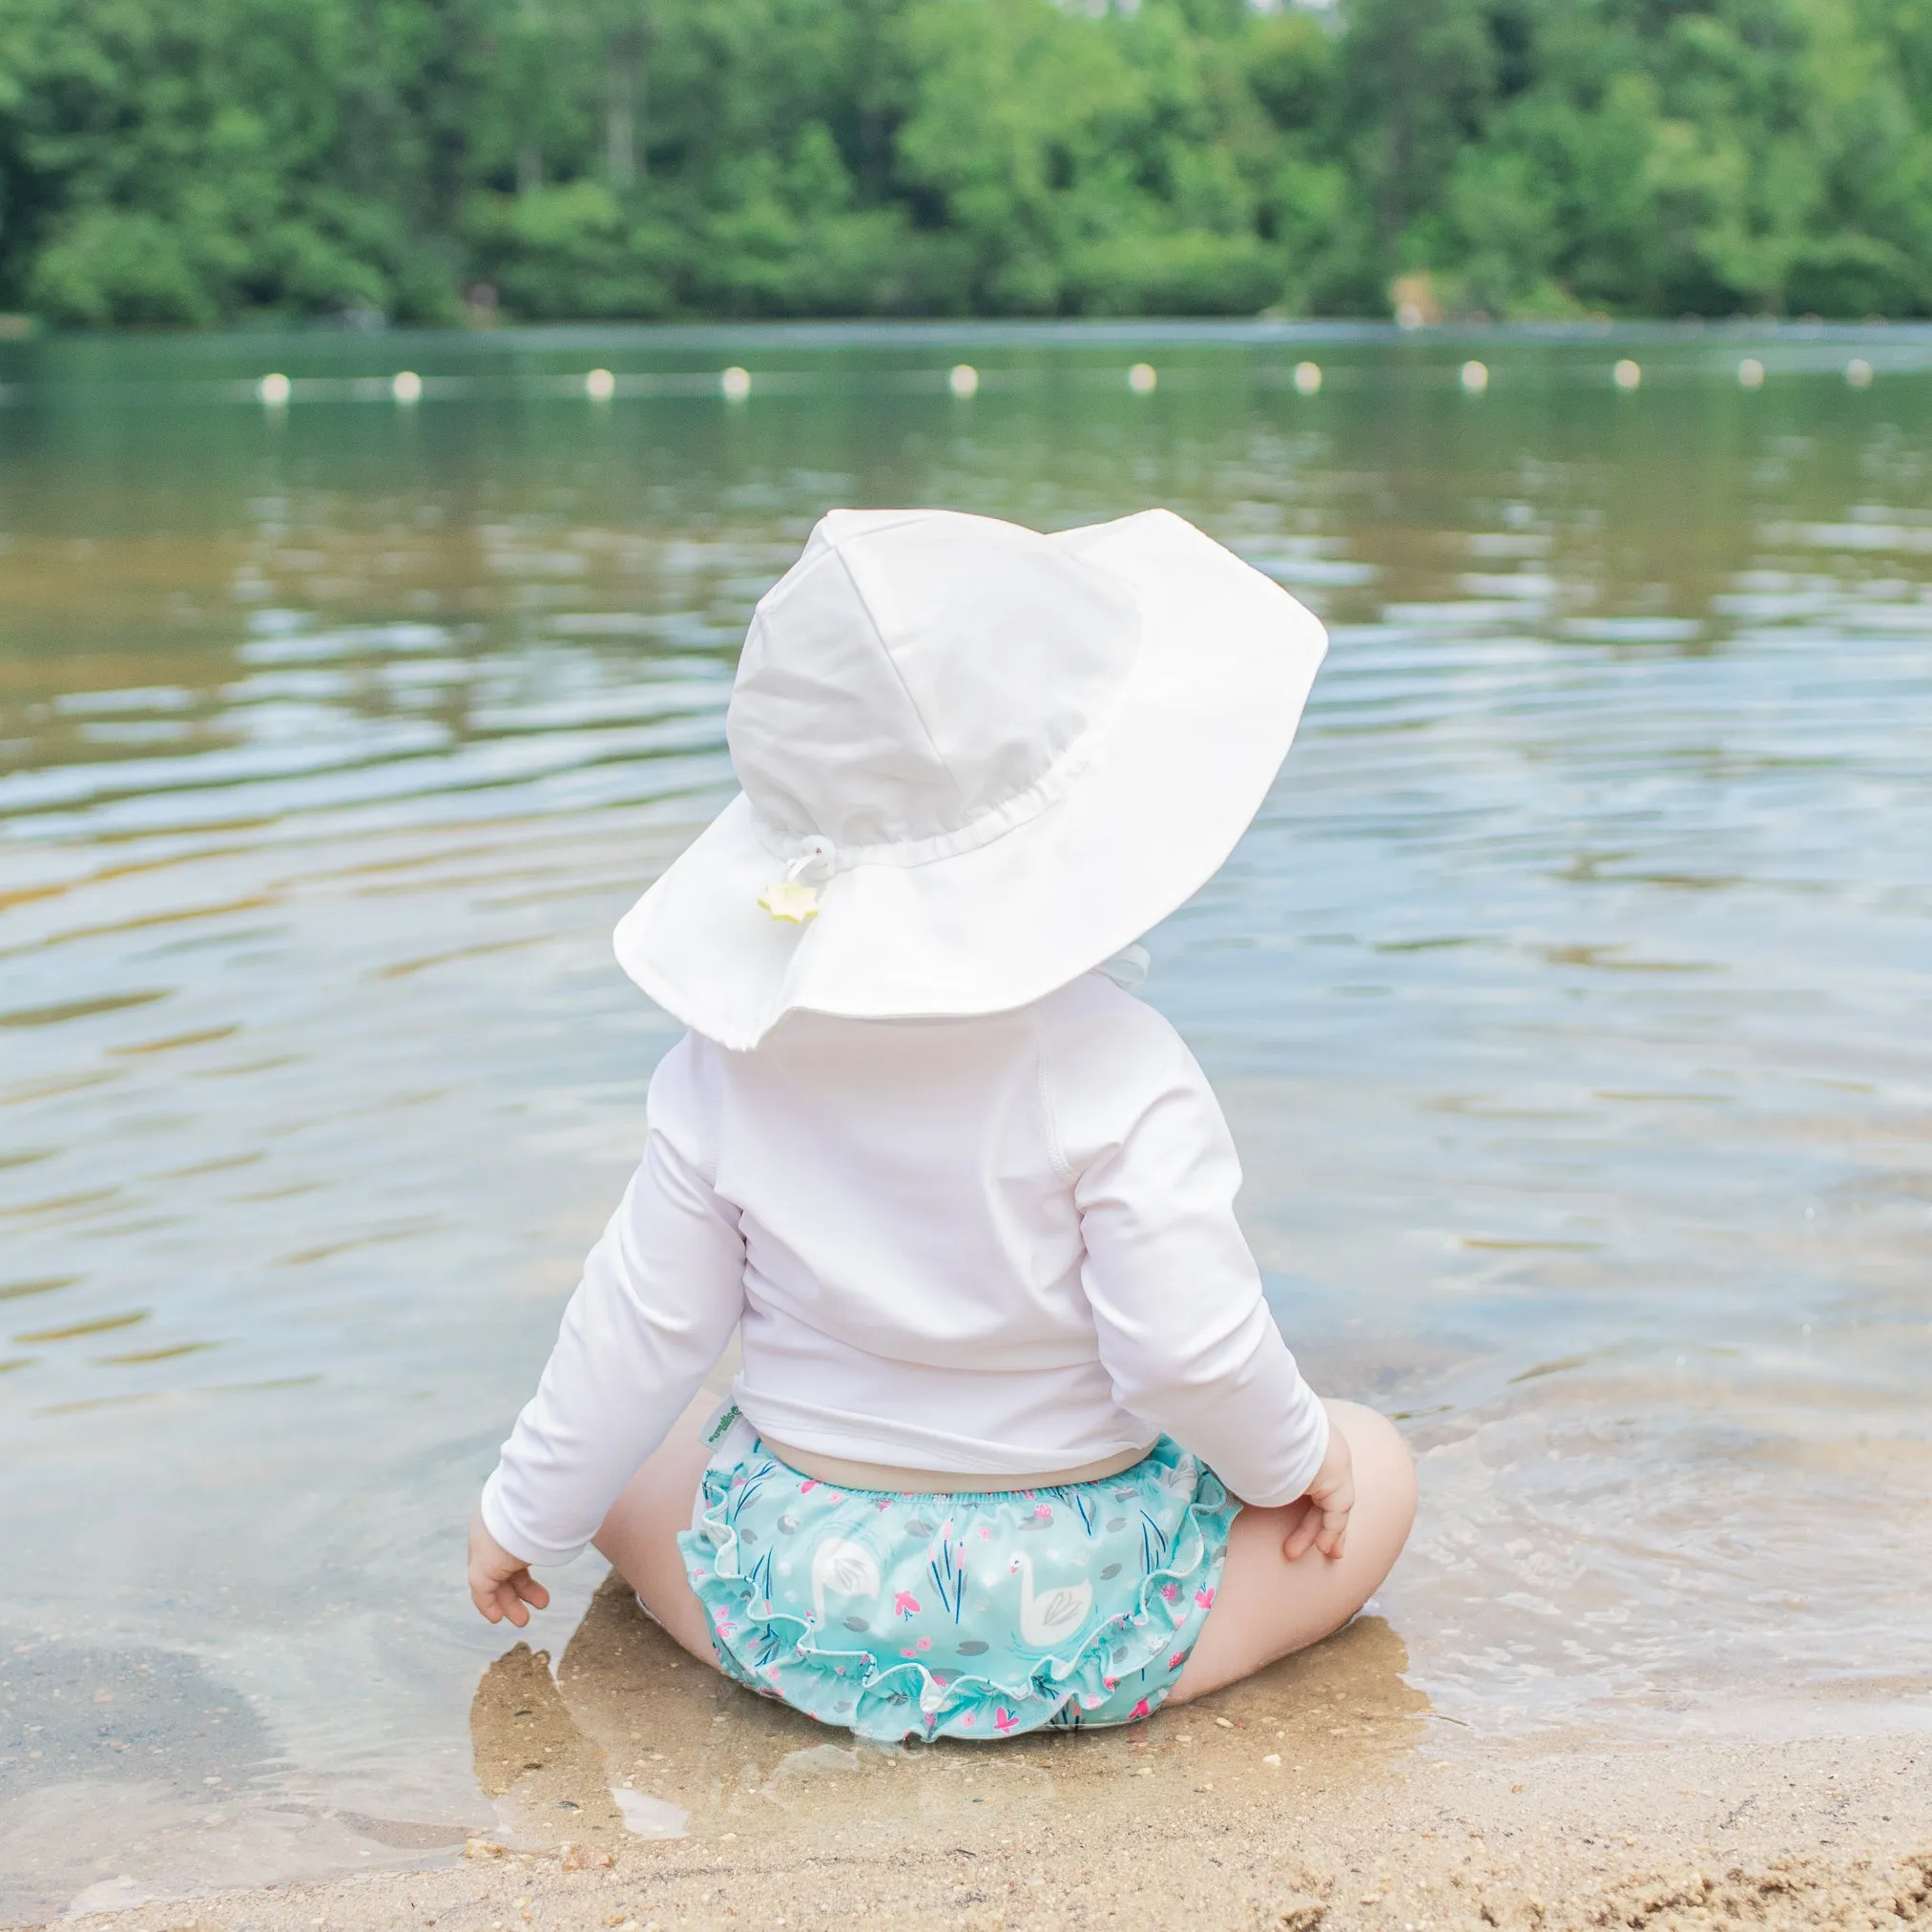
x,y
1570,998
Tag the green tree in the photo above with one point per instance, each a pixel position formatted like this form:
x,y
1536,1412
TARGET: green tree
x,y
173,166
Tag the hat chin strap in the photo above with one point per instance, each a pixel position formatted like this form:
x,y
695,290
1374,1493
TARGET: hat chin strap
x,y
795,898
817,857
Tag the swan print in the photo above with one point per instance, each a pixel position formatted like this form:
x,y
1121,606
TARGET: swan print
x,y
844,1568
979,1615
1045,1620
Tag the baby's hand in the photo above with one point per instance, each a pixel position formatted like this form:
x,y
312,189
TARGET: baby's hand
x,y
500,1584
1324,1508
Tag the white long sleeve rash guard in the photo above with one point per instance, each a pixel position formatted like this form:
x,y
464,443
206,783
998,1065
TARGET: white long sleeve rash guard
x,y
988,1246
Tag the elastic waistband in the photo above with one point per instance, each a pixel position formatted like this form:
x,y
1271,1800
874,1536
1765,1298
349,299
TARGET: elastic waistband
x,y
849,1475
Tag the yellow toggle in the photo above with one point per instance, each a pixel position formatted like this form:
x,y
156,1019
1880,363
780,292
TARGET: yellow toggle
x,y
788,899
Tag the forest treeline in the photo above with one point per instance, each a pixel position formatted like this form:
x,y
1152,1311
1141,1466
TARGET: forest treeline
x,y
191,162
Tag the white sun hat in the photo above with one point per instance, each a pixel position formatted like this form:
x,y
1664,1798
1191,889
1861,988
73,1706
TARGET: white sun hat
x,y
976,763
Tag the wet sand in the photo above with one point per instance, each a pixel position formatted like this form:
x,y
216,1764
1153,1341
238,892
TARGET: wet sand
x,y
634,1788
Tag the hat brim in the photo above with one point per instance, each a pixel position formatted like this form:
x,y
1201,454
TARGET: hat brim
x,y
1176,773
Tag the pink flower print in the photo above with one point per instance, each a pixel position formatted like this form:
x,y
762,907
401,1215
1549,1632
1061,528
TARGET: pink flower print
x,y
904,1604
1111,1683
1042,1514
985,1534
1169,1590
806,1487
883,1503
1004,1720
1205,1598
1175,1662
925,1644
1140,1709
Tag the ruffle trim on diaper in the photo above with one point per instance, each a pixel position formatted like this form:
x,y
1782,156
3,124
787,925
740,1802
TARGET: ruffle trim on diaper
x,y
782,1655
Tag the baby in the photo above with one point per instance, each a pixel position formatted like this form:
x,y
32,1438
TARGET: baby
x,y
1015,1442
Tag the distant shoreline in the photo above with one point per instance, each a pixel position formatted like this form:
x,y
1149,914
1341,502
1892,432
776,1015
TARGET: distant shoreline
x,y
862,331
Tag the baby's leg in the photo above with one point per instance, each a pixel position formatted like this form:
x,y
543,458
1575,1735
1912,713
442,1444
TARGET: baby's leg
x,y
640,1534
1267,1606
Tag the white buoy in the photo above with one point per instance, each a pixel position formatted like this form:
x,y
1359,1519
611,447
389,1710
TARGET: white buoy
x,y
1751,373
1474,376
600,386
406,386
1627,375
273,391
1307,378
735,384
1859,373
963,380
1141,379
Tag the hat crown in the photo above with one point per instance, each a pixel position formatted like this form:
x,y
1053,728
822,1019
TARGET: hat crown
x,y
920,675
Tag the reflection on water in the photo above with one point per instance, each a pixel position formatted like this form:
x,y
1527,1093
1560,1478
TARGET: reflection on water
x,y
632,1736
1568,1000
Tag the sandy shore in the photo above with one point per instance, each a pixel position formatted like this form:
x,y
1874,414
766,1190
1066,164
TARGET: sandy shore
x,y
1324,1793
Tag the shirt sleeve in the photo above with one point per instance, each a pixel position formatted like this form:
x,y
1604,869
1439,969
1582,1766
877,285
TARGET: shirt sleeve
x,y
1184,1330
660,1294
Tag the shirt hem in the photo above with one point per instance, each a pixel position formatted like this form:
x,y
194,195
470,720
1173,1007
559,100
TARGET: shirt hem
x,y
861,1439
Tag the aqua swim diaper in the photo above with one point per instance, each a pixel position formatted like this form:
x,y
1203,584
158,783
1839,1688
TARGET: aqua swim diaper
x,y
975,1616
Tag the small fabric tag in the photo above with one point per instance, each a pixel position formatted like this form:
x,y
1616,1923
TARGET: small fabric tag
x,y
722,1421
